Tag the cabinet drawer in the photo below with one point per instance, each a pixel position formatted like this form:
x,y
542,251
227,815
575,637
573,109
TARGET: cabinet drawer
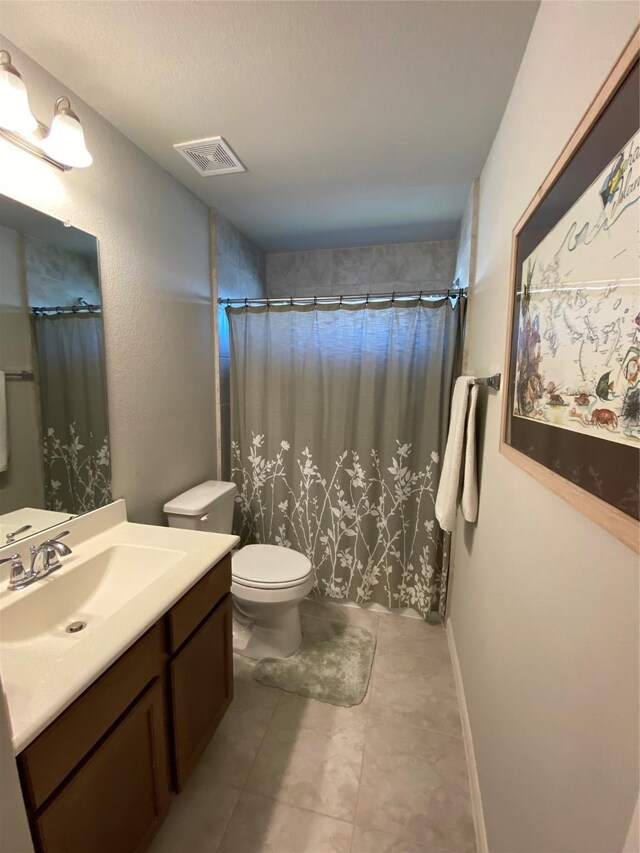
x,y
185,616
201,681
46,762
116,800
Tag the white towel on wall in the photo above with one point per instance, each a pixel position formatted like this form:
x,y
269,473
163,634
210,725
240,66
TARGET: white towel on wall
x,y
4,427
470,480
461,438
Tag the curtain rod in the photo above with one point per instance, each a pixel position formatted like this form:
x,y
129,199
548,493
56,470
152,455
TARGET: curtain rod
x,y
65,309
450,292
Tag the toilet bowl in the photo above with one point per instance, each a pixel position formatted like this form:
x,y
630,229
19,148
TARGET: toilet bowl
x,y
268,582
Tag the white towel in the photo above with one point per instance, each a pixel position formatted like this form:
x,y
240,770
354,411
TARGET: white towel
x,y
4,428
463,422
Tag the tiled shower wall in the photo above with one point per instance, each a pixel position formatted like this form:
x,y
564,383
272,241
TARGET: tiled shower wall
x,y
374,269
466,260
240,271
467,236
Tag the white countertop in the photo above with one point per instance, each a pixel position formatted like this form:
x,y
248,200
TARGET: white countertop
x,y
37,689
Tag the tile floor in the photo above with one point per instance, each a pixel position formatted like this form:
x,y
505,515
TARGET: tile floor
x,y
285,774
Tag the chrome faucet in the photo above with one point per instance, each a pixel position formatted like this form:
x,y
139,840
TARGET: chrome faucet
x,y
47,555
45,559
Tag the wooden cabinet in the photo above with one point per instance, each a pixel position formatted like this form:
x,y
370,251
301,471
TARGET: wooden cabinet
x,y
119,795
52,756
201,688
100,778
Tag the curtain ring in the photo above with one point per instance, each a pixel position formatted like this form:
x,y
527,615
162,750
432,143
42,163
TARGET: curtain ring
x,y
340,303
246,303
366,302
420,297
315,300
393,297
291,302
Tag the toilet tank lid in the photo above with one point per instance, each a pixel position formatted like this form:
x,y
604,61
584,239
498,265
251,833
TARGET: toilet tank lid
x,y
198,500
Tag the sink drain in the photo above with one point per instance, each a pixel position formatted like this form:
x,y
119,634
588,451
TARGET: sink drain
x,y
74,627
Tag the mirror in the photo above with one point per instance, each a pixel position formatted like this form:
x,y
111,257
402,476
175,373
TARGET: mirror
x,y
54,441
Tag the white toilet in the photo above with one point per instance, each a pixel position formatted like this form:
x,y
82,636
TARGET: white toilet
x,y
268,582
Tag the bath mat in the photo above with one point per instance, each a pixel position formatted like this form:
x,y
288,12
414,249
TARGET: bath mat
x,y
333,664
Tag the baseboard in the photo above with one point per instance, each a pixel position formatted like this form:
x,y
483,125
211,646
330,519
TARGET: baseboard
x,y
474,784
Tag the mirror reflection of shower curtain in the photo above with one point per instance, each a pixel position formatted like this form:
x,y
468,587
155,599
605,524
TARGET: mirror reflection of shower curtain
x,y
339,420
77,466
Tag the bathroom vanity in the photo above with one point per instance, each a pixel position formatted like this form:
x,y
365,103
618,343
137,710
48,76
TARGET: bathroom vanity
x,y
98,772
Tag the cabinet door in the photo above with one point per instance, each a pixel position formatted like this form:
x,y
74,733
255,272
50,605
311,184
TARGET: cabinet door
x,y
201,688
117,798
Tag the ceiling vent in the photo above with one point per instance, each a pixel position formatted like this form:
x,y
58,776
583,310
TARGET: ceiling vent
x,y
210,156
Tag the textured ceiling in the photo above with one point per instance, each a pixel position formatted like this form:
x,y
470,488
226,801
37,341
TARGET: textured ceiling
x,y
359,122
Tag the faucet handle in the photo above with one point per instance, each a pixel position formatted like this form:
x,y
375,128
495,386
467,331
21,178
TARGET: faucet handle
x,y
59,536
47,542
19,575
12,536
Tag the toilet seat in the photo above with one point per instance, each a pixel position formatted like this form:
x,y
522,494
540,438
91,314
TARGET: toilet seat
x,y
269,567
267,585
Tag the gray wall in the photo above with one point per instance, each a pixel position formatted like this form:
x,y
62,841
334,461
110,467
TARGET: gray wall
x,y
543,603
153,240
240,271
362,269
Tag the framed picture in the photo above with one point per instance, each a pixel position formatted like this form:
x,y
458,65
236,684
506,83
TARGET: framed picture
x,y
571,407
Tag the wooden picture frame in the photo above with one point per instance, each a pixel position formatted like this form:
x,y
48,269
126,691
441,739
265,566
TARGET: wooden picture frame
x,y
621,524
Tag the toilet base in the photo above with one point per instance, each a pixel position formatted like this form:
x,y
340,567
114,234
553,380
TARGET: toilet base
x,y
271,631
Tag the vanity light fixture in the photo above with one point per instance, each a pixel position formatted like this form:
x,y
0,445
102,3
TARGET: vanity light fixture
x,y
15,113
62,146
65,140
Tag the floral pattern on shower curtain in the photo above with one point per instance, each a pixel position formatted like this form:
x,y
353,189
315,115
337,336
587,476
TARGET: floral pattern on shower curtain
x,y
77,463
339,419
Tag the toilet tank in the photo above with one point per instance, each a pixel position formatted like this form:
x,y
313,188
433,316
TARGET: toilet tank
x,y
208,507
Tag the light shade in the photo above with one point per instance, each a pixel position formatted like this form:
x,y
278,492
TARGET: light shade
x,y
15,114
65,140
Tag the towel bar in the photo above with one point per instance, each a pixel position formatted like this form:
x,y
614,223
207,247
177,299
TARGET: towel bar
x,y
18,374
491,381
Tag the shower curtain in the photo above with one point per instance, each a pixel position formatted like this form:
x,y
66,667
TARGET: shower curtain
x,y
339,417
77,467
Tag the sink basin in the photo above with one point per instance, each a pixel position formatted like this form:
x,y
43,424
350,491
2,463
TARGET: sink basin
x,y
119,580
89,591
